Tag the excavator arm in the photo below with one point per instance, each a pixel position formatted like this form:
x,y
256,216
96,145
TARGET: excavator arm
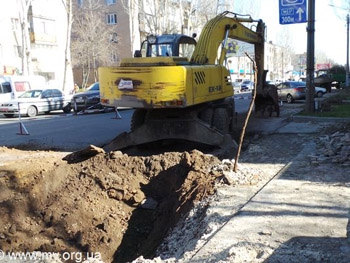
x,y
218,30
224,26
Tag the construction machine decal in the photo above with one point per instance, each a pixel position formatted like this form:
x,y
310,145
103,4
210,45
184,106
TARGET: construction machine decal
x,y
215,88
125,84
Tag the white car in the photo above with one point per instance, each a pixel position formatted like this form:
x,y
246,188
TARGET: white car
x,y
36,101
236,86
319,91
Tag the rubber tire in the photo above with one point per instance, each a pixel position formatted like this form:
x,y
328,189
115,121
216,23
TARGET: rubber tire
x,y
9,115
207,116
32,111
137,119
277,108
289,98
221,120
67,109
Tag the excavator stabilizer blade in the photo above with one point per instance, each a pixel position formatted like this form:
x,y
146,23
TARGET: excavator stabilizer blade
x,y
163,129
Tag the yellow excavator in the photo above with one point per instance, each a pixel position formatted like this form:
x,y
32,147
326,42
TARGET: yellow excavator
x,y
180,88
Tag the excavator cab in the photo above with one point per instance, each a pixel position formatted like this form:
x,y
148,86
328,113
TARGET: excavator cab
x,y
167,45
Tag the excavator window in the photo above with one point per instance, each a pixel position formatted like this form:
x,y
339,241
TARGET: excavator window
x,y
161,50
167,45
158,50
186,50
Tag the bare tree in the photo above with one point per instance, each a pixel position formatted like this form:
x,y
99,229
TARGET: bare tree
x,y
94,43
160,16
284,57
197,13
24,6
322,58
68,73
168,16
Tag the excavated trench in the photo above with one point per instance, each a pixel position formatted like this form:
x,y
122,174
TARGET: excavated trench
x,y
115,204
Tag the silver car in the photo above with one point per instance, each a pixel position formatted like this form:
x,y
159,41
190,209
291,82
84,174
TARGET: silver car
x,y
236,86
36,101
247,85
291,90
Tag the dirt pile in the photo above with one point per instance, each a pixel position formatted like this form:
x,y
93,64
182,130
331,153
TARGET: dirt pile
x,y
109,204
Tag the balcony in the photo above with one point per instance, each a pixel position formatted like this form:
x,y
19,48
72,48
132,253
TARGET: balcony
x,y
40,38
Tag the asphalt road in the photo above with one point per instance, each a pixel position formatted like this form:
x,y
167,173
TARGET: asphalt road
x,y
63,132
71,132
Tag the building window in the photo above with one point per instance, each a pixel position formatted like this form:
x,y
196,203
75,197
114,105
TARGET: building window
x,y
111,19
111,2
15,23
113,38
114,57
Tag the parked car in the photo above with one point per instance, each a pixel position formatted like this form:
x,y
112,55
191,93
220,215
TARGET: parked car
x,y
89,99
319,91
291,90
33,102
236,86
271,82
247,85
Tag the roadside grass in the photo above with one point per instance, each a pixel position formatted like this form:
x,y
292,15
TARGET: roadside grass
x,y
337,105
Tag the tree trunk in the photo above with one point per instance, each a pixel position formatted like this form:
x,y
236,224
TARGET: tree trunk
x,y
68,82
26,48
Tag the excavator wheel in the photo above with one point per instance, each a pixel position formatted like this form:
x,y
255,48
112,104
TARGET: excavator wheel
x,y
277,108
207,115
137,119
221,120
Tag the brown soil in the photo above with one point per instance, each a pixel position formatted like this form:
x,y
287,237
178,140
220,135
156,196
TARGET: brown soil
x,y
113,204
109,203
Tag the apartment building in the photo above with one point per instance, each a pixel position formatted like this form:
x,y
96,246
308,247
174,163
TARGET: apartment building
x,y
112,35
46,23
10,40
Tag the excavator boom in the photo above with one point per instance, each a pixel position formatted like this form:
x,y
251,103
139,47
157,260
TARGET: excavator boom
x,y
223,26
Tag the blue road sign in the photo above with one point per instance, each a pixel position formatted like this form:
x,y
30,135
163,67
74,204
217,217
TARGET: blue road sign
x,y
292,11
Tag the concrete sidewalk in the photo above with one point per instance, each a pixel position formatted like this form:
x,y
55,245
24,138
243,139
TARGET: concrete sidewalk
x,y
288,122
289,220
301,215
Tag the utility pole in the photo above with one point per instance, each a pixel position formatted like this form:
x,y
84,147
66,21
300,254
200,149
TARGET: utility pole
x,y
310,59
347,52
347,78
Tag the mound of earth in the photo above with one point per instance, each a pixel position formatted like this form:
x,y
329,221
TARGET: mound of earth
x,y
111,204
